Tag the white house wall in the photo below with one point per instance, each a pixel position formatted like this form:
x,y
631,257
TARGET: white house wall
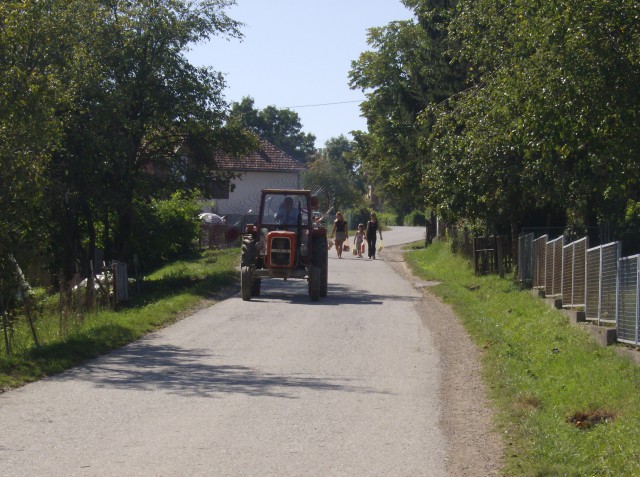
x,y
246,194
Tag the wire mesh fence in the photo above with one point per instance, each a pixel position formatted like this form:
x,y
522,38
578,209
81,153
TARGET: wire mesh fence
x,y
574,267
627,322
525,259
553,267
596,280
538,264
602,283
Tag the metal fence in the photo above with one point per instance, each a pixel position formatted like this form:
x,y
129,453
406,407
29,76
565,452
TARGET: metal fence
x,y
574,274
595,279
553,267
525,259
602,283
628,292
538,264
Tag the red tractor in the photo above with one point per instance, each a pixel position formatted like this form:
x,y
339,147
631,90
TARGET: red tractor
x,y
285,242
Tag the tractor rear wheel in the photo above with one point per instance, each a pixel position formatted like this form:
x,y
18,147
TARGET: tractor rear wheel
x,y
324,279
320,259
315,278
255,286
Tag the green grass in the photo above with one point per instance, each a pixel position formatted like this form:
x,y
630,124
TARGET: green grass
x,y
565,405
166,295
543,373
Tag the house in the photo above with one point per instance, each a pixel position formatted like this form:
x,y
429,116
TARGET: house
x,y
266,168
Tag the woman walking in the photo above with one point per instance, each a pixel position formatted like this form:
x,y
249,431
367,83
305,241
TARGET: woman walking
x,y
341,232
372,227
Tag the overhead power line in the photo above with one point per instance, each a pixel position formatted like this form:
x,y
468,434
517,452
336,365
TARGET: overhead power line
x,y
324,104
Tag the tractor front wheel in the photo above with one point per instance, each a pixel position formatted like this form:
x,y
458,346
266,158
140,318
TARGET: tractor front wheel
x,y
249,253
245,283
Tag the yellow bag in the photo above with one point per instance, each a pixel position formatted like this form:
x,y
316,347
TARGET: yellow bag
x,y
355,251
381,246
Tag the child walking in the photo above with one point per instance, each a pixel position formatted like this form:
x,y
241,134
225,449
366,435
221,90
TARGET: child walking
x,y
358,240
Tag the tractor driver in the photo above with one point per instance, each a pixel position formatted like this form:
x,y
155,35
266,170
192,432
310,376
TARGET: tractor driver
x,y
287,214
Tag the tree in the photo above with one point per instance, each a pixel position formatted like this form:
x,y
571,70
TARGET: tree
x,y
341,150
407,69
548,123
333,175
34,48
280,127
136,101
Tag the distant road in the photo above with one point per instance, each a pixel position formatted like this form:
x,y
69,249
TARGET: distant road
x,y
277,386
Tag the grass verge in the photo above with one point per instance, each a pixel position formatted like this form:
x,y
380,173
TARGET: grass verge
x,y
167,295
566,406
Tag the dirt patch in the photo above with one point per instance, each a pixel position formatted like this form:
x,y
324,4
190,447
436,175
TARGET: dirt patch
x,y
586,420
474,448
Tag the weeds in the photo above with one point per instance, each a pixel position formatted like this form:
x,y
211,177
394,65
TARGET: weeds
x,y
165,296
566,406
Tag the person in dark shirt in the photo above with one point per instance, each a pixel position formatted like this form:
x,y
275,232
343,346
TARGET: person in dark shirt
x,y
372,227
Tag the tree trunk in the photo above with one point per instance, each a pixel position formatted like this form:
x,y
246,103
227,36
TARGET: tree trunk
x,y
5,327
29,312
514,244
72,251
107,240
91,253
123,234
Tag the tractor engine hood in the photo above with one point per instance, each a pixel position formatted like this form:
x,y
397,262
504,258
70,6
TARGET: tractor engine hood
x,y
281,249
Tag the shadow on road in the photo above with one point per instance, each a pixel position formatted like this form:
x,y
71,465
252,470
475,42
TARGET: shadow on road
x,y
336,295
149,367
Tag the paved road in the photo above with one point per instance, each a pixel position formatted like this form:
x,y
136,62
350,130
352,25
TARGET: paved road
x,y
278,386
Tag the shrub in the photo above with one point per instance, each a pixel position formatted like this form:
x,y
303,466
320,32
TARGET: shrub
x,y
358,216
165,229
388,218
416,218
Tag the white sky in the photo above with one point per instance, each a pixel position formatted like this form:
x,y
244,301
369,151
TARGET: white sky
x,y
299,53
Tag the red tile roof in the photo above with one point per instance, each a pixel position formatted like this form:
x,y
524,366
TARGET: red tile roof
x,y
266,158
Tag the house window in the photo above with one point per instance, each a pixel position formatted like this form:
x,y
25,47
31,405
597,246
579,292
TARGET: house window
x,y
220,189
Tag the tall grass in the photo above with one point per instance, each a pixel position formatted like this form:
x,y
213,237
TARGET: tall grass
x,y
566,406
167,294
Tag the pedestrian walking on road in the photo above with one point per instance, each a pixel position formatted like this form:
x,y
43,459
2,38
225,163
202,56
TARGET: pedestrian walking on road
x,y
358,240
372,227
341,232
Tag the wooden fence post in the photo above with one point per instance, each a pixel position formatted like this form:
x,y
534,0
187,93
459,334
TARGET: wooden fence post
x,y
474,254
500,255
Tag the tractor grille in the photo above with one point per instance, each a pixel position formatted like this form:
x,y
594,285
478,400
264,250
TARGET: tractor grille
x,y
280,251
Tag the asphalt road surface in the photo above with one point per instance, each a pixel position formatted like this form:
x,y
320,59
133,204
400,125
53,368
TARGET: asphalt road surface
x,y
277,386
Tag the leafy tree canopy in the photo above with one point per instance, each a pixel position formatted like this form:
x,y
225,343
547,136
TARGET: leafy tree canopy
x,y
549,119
334,175
498,111
281,127
406,70
96,101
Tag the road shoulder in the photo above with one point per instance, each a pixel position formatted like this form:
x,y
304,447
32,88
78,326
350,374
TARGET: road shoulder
x,y
474,448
